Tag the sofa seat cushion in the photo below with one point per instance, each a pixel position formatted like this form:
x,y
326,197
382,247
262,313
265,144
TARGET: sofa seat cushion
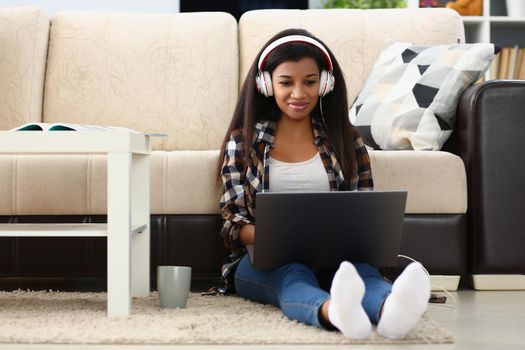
x,y
183,182
436,181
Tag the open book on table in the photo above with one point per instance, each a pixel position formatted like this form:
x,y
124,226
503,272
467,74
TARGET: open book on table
x,y
75,127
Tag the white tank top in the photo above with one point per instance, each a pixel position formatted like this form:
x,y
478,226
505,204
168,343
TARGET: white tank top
x,y
306,176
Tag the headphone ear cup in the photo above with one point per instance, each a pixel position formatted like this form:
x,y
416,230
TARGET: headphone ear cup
x,y
263,81
259,83
267,80
326,83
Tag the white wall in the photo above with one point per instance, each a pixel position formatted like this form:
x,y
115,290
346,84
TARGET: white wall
x,y
52,6
315,4
413,4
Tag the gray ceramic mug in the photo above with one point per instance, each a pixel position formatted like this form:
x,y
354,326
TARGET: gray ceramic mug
x,y
173,285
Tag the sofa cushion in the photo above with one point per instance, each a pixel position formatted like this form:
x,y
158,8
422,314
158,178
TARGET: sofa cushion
x,y
23,50
183,182
436,181
169,73
409,101
356,37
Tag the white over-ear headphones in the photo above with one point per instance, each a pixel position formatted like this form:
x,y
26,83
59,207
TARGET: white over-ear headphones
x,y
263,80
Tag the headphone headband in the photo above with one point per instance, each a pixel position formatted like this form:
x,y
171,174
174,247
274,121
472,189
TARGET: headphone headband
x,y
263,80
294,38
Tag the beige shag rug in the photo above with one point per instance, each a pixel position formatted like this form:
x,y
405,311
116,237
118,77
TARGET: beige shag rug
x,y
73,318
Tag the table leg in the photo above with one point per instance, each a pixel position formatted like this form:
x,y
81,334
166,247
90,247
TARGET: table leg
x,y
119,232
140,242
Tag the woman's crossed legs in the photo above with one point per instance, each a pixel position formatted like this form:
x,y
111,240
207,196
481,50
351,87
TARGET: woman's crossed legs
x,y
357,296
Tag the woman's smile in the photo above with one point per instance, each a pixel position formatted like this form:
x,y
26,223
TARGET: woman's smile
x,y
298,106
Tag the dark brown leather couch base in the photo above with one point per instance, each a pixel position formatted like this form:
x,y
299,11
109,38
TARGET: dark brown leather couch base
x,y
438,241
191,240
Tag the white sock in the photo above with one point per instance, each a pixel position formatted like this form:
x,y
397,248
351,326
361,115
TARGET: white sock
x,y
407,302
345,310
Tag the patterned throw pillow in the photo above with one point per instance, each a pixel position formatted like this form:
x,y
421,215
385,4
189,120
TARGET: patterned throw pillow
x,y
410,98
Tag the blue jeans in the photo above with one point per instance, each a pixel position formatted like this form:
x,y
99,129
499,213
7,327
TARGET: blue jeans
x,y
294,288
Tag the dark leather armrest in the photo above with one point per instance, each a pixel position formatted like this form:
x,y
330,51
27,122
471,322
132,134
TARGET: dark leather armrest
x,y
490,138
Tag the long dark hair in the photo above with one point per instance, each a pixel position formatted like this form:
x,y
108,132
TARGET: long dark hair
x,y
253,107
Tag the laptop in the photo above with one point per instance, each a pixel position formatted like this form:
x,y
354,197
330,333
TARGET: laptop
x,y
322,229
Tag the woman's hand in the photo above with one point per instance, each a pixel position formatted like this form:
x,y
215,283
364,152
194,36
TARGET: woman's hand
x,y
247,234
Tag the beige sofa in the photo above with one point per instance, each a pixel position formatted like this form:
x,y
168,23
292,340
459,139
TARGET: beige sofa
x,y
180,74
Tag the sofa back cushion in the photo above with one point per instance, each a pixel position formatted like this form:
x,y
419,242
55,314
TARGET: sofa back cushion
x,y
170,73
23,50
356,37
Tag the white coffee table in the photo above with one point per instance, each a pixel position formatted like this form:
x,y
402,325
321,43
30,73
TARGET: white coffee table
x,y
128,227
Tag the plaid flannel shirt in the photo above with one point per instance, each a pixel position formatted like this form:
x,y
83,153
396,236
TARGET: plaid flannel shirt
x,y
240,188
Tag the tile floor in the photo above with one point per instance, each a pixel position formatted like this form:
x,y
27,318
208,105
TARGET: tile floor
x,y
481,320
